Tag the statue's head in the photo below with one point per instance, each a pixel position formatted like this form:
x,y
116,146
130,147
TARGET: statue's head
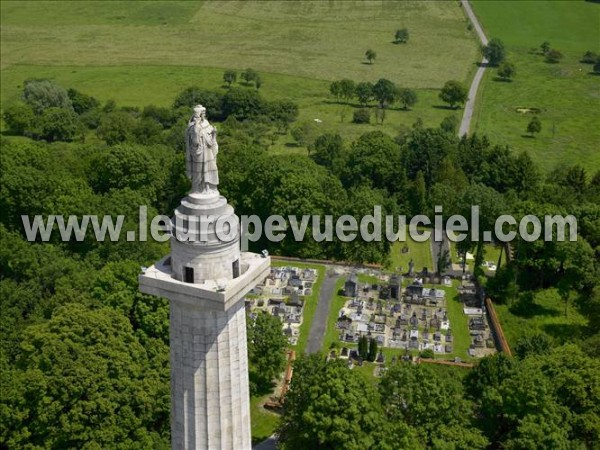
x,y
199,111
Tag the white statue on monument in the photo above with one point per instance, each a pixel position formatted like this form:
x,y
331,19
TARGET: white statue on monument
x,y
201,153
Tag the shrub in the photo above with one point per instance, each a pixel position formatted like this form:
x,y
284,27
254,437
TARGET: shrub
x,y
427,354
82,102
449,124
589,57
362,115
553,56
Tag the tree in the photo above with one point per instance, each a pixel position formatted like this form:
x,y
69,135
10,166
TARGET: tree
x,y
370,55
454,93
432,404
192,96
372,353
506,71
127,167
401,36
229,77
116,127
543,402
385,92
84,381
43,94
489,372
147,132
19,117
533,344
166,117
328,151
281,112
364,92
545,47
347,88
335,90
494,52
373,160
553,56
534,126
258,82
249,75
407,97
266,351
329,406
242,103
363,347
58,124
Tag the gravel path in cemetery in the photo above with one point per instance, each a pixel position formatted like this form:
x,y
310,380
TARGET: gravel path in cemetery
x,y
470,105
319,323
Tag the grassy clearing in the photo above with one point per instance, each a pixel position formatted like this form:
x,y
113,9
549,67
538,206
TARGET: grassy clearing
x,y
545,314
337,303
458,323
566,93
419,252
323,40
311,301
263,422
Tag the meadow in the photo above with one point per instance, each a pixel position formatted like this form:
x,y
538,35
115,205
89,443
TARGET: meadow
x,y
141,54
566,93
322,40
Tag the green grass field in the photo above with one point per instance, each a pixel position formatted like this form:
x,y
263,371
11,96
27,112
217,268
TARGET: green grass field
x,y
322,40
458,323
566,93
145,53
337,302
545,314
419,252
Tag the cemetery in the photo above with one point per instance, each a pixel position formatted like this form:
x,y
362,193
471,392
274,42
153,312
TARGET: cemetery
x,y
411,313
282,294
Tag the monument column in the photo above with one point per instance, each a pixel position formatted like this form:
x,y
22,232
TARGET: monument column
x,y
205,277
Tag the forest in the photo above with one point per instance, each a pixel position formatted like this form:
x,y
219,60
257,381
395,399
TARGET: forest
x,y
85,356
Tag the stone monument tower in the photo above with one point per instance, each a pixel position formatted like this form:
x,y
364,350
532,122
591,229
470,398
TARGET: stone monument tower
x,y
205,278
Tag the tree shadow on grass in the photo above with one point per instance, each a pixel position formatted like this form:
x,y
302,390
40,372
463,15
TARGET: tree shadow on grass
x,y
528,309
527,136
446,107
291,145
261,386
564,332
